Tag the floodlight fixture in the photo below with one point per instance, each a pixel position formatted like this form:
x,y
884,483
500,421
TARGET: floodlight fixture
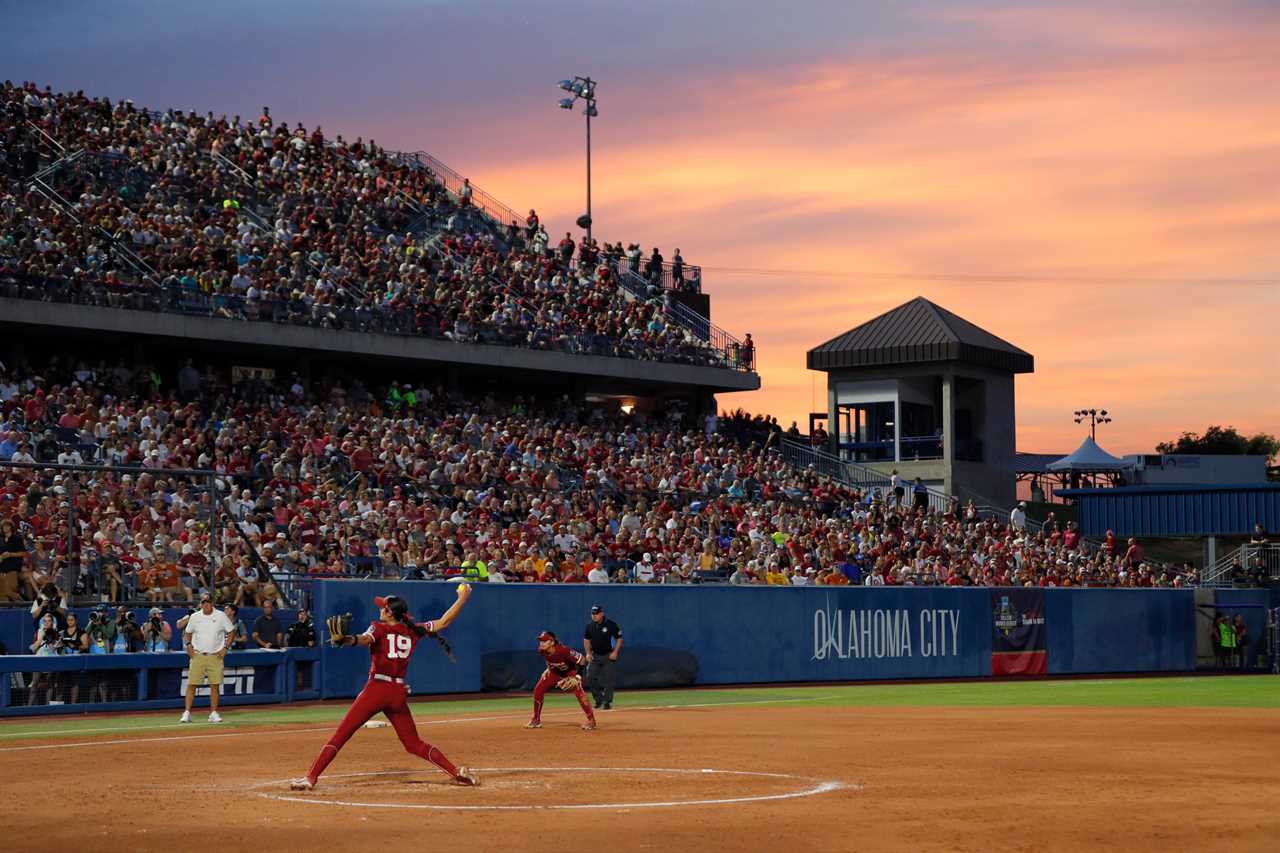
x,y
584,89
1094,417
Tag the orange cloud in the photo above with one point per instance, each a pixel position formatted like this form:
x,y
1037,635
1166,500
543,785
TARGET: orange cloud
x,y
1124,178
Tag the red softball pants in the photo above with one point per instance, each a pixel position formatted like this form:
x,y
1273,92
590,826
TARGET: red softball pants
x,y
390,699
548,680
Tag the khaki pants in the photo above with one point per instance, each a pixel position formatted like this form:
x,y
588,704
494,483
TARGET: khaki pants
x,y
9,587
205,666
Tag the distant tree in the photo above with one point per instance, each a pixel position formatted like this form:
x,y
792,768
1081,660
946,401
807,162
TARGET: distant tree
x,y
1223,441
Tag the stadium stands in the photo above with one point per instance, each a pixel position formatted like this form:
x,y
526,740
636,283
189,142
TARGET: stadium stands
x,y
109,205
416,482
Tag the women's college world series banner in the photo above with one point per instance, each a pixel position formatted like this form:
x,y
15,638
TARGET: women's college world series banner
x,y
1018,632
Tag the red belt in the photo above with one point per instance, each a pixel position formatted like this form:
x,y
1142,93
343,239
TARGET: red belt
x,y
380,677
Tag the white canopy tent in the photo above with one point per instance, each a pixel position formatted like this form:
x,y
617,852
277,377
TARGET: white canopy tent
x,y
1089,458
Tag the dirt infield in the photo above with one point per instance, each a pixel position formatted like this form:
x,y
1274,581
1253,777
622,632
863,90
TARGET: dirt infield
x,y
786,778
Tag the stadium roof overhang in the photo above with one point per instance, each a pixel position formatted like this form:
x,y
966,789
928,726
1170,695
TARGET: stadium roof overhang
x,y
592,371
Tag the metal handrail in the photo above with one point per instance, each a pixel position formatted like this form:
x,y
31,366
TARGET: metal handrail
x,y
49,140
452,181
800,455
114,245
738,355
1220,573
234,167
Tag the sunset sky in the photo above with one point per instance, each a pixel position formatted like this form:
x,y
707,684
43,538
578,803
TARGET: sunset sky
x,y
1098,183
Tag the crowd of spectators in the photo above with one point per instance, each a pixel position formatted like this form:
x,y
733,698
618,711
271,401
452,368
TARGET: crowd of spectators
x,y
409,481
255,220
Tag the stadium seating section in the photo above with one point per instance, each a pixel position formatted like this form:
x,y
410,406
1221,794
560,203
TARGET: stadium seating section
x,y
413,482
110,205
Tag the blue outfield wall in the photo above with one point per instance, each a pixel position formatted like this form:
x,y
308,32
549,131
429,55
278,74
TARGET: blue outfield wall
x,y
1120,630
771,635
679,635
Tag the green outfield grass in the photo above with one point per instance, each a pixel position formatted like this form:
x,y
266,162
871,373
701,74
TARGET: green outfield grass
x,y
1215,692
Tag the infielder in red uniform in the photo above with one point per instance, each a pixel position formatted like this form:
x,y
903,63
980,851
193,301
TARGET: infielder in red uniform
x,y
563,666
391,641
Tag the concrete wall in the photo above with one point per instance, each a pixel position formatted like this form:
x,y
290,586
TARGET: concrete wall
x,y
127,324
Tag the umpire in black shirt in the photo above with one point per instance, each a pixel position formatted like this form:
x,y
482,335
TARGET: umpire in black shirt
x,y
602,641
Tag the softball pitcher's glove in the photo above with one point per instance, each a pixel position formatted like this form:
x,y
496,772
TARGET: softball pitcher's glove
x,y
339,628
570,683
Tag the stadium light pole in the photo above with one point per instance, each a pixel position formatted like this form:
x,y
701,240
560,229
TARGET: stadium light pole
x,y
1094,417
583,89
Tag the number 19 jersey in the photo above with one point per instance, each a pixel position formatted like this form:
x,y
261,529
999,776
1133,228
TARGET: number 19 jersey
x,y
392,647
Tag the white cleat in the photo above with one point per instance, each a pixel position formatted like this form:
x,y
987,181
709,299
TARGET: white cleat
x,y
185,718
533,724
466,776
215,717
303,784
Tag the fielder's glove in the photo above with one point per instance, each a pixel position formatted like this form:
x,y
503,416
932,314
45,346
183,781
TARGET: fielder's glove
x,y
570,683
339,628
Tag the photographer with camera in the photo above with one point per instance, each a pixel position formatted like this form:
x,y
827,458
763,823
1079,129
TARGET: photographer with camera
x,y
101,631
50,600
48,639
75,641
156,632
128,636
46,643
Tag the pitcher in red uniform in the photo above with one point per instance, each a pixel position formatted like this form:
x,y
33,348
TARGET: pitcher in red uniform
x,y
563,668
391,641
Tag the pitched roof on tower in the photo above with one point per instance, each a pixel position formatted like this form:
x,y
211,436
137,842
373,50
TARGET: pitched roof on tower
x,y
915,332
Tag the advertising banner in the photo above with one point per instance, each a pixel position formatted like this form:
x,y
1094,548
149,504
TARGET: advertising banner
x,y
1018,635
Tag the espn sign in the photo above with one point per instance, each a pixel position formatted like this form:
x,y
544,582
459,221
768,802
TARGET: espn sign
x,y
235,679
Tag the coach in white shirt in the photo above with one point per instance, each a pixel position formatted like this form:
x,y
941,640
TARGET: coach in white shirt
x,y
208,636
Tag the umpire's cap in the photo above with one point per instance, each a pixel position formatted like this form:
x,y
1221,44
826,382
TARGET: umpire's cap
x,y
596,608
547,635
